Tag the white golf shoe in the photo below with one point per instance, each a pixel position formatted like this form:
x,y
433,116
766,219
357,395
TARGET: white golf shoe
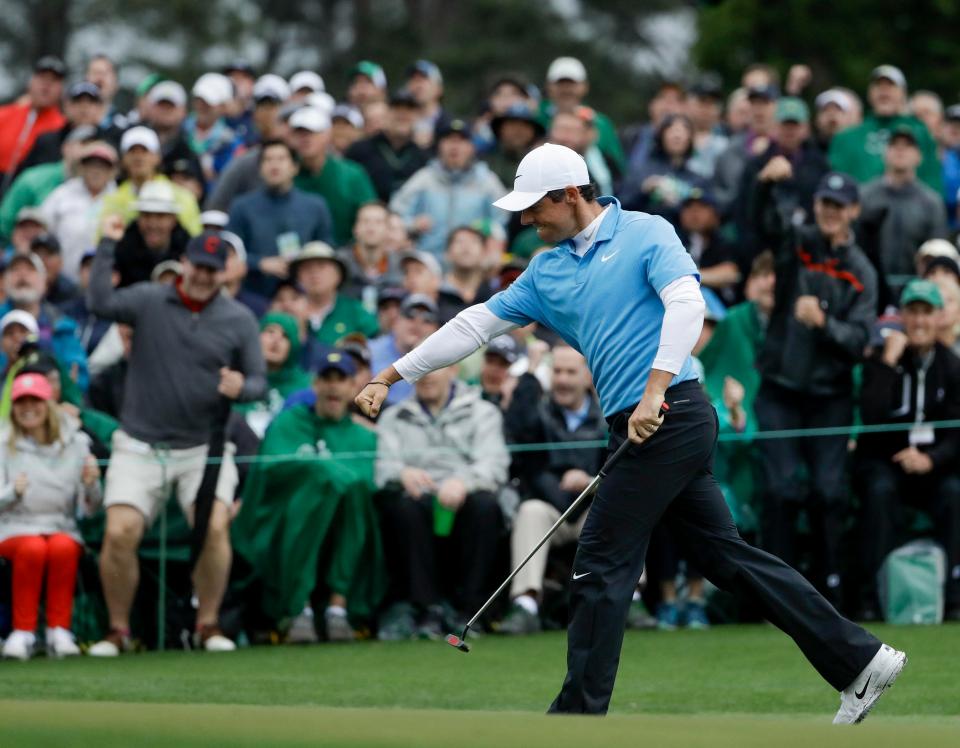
x,y
60,643
858,698
19,645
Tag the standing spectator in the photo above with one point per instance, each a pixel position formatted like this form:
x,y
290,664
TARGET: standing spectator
x,y
834,110
425,84
391,156
826,297
343,184
736,118
367,84
346,128
102,72
71,211
705,107
155,236
193,349
208,133
422,273
497,384
418,317
442,460
304,83
320,272
238,111
60,290
699,231
371,262
859,151
899,210
577,131
90,328
911,379
30,223
668,99
567,87
516,132
950,141
309,528
452,190
465,282
49,474
275,221
166,114
140,160
506,91
550,480
23,121
269,93
82,106
927,107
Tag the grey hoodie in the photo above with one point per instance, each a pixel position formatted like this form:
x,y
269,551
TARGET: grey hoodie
x,y
54,491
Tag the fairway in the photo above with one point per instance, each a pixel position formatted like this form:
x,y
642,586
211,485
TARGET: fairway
x,y
743,685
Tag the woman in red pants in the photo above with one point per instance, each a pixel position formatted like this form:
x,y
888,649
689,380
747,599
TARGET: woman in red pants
x,y
47,470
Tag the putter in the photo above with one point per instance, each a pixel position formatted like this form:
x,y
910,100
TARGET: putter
x,y
460,642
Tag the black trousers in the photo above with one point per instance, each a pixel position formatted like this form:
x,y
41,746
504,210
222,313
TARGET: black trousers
x,y
885,490
784,493
668,478
418,559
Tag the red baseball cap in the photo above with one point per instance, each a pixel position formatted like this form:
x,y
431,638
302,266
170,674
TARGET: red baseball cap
x,y
31,385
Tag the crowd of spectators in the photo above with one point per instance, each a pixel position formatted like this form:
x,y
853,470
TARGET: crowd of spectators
x,y
193,292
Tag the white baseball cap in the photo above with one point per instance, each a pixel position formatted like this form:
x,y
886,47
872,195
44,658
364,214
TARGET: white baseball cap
x,y
271,86
142,136
156,196
216,218
168,91
549,167
307,79
833,96
213,88
309,118
22,318
938,248
322,101
566,68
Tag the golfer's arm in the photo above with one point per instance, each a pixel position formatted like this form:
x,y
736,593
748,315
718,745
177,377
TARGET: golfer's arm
x,y
683,309
456,340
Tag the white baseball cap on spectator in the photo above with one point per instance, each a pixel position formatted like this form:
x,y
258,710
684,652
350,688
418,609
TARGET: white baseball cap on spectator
x,y
271,86
566,69
216,218
424,258
213,88
833,96
30,257
891,73
322,101
169,91
307,80
309,118
236,243
156,197
167,266
140,136
348,114
22,318
548,167
939,248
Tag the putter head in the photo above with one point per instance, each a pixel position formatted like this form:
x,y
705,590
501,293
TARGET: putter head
x,y
456,641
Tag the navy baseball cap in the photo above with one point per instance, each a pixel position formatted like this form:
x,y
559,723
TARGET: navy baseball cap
x,y
50,64
504,346
84,88
336,360
838,188
770,92
209,250
427,69
700,195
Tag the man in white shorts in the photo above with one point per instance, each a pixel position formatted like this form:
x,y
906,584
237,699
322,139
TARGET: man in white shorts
x,y
192,347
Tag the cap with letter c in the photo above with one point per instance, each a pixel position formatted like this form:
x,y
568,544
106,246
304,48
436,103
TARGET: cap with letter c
x,y
548,167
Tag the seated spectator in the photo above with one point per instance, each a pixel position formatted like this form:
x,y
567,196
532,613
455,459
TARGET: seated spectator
x,y
577,131
441,460
82,106
102,72
699,230
50,474
422,273
418,318
948,321
90,328
234,275
465,282
346,128
330,315
140,161
187,339
108,385
342,183
826,297
276,220
666,179
187,174
367,83
72,210
30,223
308,528
516,131
859,151
834,113
388,307
506,91
452,190
60,290
425,83
704,107
552,479
950,145
209,136
154,236
669,99
371,261
24,283
166,113
280,344
269,93
391,156
912,379
497,385
899,211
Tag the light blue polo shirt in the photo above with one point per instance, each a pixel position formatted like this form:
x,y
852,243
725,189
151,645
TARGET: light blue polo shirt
x,y
606,304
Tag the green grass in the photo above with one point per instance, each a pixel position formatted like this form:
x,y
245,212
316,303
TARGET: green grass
x,y
744,685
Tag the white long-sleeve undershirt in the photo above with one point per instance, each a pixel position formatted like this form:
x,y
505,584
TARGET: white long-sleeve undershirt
x,y
477,325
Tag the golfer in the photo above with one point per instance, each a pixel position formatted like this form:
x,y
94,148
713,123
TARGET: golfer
x,y
620,288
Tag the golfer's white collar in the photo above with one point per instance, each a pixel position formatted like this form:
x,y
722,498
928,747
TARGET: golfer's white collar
x,y
585,239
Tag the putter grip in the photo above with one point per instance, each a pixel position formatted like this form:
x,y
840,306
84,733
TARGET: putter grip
x,y
624,446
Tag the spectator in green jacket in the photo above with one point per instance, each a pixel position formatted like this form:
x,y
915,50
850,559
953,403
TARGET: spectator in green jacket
x,y
859,151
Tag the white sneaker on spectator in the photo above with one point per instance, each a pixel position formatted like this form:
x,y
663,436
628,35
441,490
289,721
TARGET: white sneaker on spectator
x,y
303,629
111,645
60,643
212,639
858,698
19,645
